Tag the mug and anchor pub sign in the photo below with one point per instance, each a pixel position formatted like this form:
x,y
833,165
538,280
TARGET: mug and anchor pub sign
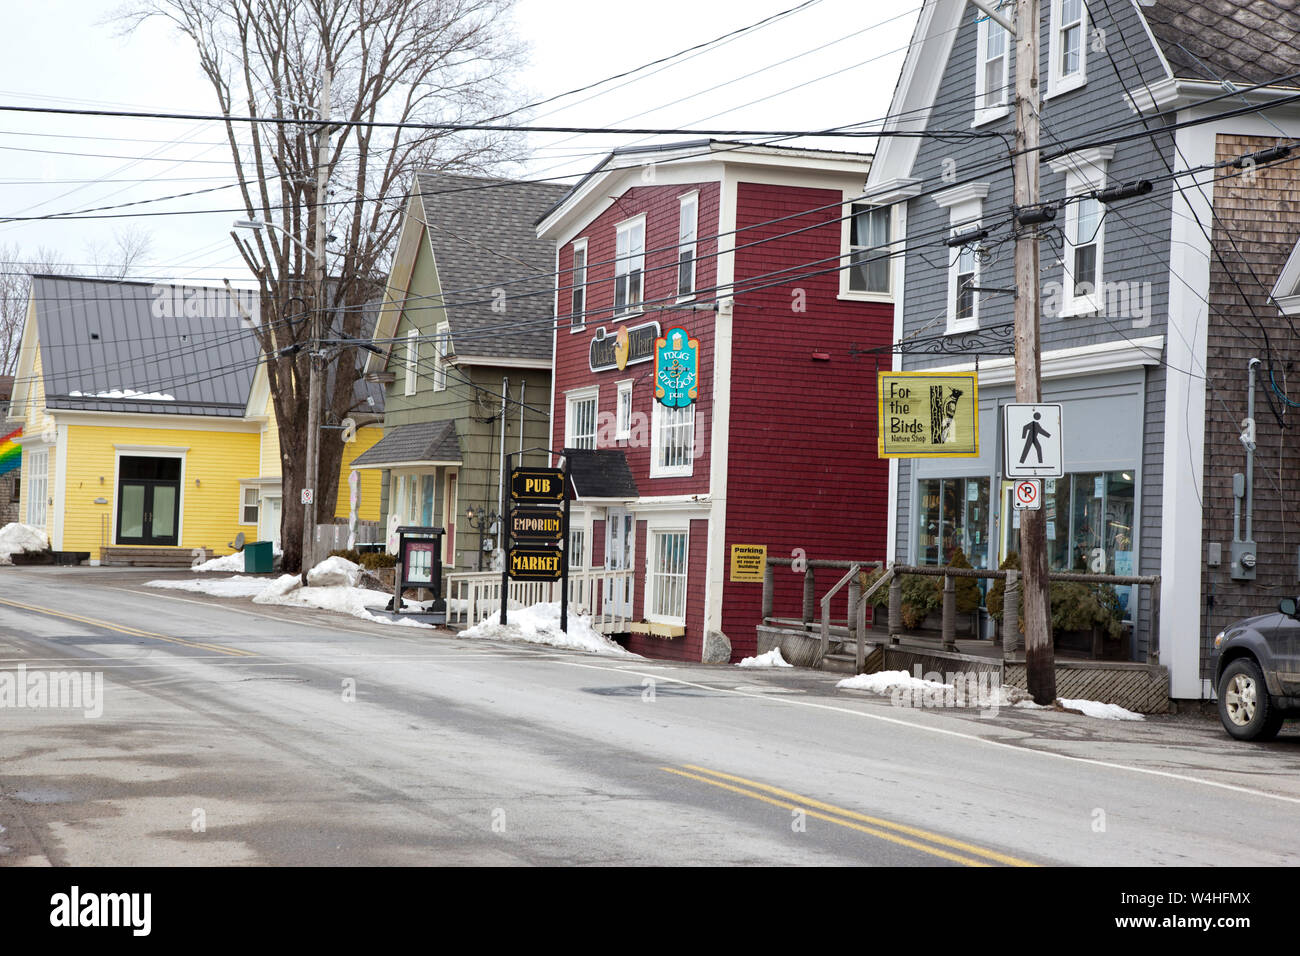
x,y
677,366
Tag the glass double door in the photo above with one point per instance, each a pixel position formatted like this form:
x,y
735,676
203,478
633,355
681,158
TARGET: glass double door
x,y
148,500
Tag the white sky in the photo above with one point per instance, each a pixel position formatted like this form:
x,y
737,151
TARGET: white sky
x,y
62,54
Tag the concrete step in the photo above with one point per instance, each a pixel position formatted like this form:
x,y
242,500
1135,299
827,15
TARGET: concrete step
x,y
151,557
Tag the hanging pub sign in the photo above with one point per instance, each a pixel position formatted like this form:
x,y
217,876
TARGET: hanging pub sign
x,y
537,525
625,347
677,361
927,415
537,484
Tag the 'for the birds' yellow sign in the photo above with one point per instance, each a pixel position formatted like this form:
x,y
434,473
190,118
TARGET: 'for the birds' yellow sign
x,y
928,415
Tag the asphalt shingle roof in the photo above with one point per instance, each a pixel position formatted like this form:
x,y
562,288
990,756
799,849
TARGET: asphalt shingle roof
x,y
1244,41
422,441
600,473
482,235
105,339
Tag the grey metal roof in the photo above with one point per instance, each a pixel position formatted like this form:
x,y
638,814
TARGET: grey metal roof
x,y
482,236
101,336
600,473
422,441
1245,41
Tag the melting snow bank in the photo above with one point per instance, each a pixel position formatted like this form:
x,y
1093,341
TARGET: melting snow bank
x,y
772,658
886,682
540,624
230,562
1092,708
287,590
15,538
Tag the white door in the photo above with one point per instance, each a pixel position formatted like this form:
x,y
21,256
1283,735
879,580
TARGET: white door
x,y
619,548
268,526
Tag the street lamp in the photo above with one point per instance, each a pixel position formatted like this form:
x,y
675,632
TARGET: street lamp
x,y
486,523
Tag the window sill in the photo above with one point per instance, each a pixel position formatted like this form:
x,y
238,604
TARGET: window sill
x,y
956,327
987,114
1077,307
887,297
621,316
672,473
577,328
1059,87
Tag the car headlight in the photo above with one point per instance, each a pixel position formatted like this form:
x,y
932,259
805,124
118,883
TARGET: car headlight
x,y
1218,639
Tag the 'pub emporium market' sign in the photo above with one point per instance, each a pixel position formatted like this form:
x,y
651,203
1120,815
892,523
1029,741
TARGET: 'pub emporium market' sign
x,y
677,363
625,347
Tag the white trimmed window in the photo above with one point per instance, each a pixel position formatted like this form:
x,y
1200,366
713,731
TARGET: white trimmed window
x,y
623,411
1068,46
870,264
36,469
442,348
992,69
672,438
577,547
1084,249
578,305
580,418
248,499
688,218
965,205
666,596
629,265
412,357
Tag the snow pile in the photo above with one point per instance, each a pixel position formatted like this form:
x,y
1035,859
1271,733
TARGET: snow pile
x,y
334,572
125,393
238,586
230,562
540,624
16,538
887,682
1093,708
772,658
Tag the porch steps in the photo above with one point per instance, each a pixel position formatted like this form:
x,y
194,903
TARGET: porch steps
x,y
152,557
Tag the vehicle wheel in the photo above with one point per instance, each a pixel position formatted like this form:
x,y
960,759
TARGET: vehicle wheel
x,y
1245,707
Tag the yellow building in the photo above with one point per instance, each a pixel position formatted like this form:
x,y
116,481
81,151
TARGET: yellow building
x,y
147,424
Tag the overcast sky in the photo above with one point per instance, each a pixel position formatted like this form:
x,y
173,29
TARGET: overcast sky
x,y
843,61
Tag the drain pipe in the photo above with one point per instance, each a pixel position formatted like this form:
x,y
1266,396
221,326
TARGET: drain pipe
x,y
1243,490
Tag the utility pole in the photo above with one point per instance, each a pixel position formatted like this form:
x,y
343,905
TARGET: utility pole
x,y
314,384
1040,663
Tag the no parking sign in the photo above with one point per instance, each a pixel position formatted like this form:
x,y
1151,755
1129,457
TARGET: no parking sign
x,y
1028,494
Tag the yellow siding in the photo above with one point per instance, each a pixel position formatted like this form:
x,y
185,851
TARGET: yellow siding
x,y
35,422
209,510
369,508
37,418
270,442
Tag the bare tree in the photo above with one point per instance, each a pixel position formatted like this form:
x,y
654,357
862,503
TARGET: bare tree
x,y
16,269
119,258
440,61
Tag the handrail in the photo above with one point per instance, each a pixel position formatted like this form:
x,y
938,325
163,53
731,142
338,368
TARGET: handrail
x,y
826,607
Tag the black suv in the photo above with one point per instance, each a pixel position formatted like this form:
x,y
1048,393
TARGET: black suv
x,y
1257,673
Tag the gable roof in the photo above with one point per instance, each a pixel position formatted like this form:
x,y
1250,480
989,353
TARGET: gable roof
x,y
481,233
422,442
113,346
1248,42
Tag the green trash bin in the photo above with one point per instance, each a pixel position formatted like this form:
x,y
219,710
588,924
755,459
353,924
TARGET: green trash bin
x,y
258,558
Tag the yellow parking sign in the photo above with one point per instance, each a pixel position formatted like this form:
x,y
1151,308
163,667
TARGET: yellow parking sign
x,y
927,415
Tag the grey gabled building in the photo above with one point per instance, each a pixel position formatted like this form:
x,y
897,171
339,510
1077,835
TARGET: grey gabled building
x,y
1131,91
466,331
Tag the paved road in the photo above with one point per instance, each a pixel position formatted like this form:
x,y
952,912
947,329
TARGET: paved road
x,y
233,733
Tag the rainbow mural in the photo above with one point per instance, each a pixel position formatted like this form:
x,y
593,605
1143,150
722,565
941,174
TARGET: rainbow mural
x,y
11,455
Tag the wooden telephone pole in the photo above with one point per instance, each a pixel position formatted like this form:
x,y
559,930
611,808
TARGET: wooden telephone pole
x,y
1040,663
319,317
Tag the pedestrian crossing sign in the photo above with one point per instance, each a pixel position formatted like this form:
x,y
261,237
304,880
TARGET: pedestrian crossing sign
x,y
1031,441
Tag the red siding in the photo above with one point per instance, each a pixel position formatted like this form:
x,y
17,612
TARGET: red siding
x,y
690,646
802,465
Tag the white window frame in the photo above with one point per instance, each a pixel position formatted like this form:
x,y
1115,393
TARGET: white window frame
x,y
578,288
576,397
987,113
688,233
846,245
577,547
628,262
244,505
1085,172
622,422
965,205
412,358
37,470
654,531
1057,81
441,349
657,425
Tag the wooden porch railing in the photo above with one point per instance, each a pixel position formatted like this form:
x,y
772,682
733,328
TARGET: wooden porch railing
x,y
474,596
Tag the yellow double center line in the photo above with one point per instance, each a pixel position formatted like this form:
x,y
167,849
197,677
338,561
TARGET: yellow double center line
x,y
131,631
925,841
